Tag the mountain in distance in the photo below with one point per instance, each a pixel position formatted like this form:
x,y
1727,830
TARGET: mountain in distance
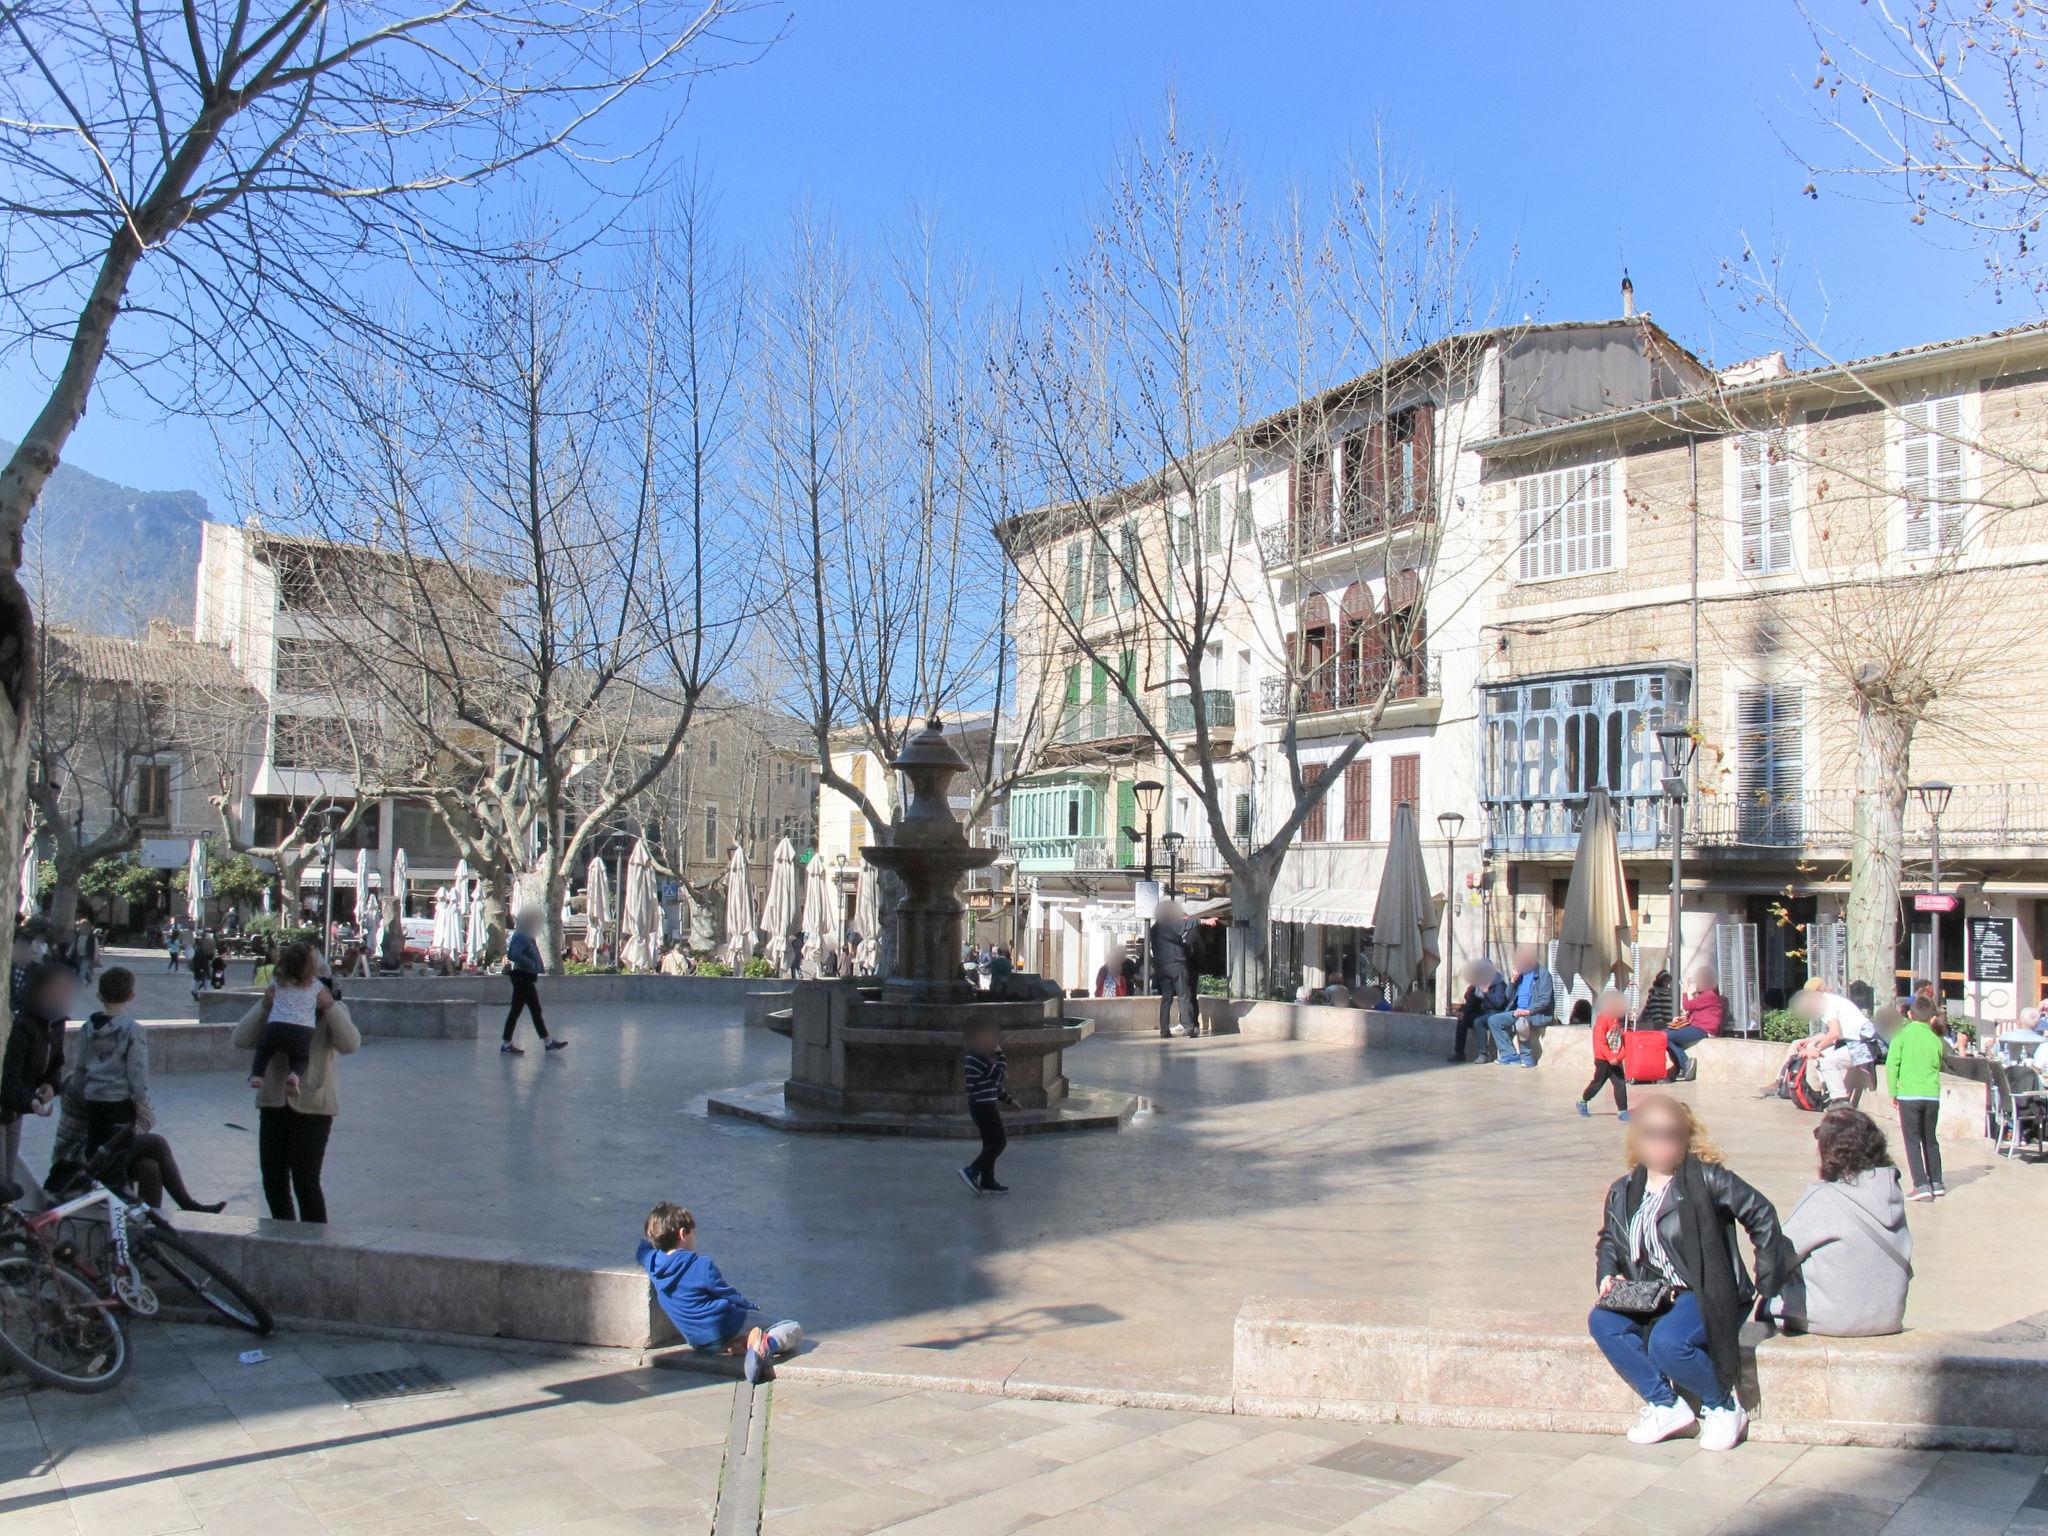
x,y
111,557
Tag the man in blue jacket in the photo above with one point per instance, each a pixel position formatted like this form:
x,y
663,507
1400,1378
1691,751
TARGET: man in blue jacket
x,y
524,966
1532,1005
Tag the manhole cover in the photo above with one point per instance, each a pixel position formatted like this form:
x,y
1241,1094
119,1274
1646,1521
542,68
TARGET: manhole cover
x,y
377,1386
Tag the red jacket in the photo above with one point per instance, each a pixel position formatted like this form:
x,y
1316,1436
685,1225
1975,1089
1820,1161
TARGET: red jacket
x,y
1603,1030
1706,1010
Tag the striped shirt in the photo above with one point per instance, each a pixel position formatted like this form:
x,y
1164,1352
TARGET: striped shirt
x,y
1646,1245
988,1077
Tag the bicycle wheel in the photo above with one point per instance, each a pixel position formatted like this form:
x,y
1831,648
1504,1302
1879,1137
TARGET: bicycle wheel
x,y
58,1329
203,1278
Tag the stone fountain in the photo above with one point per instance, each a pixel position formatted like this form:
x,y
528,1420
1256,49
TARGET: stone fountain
x,y
889,1058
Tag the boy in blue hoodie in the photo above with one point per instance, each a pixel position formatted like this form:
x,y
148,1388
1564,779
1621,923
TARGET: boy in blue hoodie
x,y
707,1311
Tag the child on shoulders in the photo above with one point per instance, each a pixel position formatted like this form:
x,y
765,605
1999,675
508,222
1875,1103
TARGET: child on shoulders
x,y
294,1001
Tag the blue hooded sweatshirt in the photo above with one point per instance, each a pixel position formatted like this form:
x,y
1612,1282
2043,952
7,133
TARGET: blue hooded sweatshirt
x,y
697,1298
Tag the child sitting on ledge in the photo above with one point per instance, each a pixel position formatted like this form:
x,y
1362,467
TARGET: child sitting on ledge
x,y
707,1311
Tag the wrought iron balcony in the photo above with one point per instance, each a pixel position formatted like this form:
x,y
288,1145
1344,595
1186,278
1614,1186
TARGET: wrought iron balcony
x,y
1355,684
1979,816
1046,855
1314,530
1219,711
1552,826
1097,720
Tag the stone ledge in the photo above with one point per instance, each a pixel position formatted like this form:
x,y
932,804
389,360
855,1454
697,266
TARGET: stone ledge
x,y
377,1018
180,1047
491,987
1373,1362
428,1283
1083,1109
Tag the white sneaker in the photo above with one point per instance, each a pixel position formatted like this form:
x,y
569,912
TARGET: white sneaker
x,y
1722,1429
1178,1032
1654,1423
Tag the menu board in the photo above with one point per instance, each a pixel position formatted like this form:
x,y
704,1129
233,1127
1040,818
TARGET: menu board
x,y
1990,949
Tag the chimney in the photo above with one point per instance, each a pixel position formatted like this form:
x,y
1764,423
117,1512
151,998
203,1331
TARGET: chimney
x,y
1628,296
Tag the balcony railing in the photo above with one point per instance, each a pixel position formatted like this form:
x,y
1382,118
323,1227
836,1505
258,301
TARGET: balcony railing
x,y
1219,709
1097,720
1058,853
1356,684
1316,530
1552,826
1977,816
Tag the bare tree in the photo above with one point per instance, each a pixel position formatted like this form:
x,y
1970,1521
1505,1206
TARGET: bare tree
x,y
1183,448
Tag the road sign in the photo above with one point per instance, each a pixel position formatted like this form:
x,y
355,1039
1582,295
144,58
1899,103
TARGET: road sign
x,y
1935,901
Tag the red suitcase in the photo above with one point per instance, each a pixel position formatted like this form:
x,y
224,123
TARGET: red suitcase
x,y
1643,1056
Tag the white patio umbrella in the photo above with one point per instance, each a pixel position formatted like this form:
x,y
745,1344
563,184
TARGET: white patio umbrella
x,y
363,889
739,909
1593,941
1404,937
779,910
597,907
821,916
640,914
31,871
867,919
195,881
476,937
401,879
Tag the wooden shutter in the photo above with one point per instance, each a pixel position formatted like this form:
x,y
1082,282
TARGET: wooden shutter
x,y
1313,826
1075,578
1407,775
1933,478
1765,496
1358,802
1770,766
1126,816
1129,584
1244,518
1212,517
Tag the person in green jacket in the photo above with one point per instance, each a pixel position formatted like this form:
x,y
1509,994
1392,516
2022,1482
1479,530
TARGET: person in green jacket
x,y
1912,1075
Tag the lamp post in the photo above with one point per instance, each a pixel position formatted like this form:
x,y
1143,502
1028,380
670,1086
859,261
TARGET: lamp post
x,y
1173,842
332,815
1146,793
1450,823
1934,800
1677,744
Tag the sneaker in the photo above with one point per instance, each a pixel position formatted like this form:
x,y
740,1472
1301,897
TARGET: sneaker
x,y
509,1049
1692,1070
255,1082
1940,1190
1623,1116
1507,1061
1722,1429
967,1177
557,1043
1529,1062
1921,1194
1584,1113
759,1363
1178,1033
993,1188
1660,1422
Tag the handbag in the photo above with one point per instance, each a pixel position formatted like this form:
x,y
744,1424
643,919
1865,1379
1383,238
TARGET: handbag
x,y
1638,1298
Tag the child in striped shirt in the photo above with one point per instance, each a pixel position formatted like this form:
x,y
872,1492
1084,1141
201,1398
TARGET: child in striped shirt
x,y
987,1087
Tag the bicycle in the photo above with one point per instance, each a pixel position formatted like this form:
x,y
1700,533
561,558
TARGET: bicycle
x,y
55,1326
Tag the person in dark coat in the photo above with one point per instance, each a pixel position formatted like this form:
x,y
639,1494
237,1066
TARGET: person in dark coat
x,y
1670,1221
1172,973
32,1069
1486,992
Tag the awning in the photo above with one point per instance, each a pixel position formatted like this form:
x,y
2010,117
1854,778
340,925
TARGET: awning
x,y
1331,883
1330,905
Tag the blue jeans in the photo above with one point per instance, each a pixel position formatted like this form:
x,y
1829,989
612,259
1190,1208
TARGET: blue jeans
x,y
1502,1027
1656,1354
1676,1040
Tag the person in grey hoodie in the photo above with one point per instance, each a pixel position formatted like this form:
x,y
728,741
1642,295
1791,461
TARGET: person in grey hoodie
x,y
113,1063
1855,1252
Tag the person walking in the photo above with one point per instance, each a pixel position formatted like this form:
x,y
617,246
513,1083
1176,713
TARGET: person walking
x,y
1532,1005
1171,972
1912,1076
1673,1290
525,967
203,950
292,1129
988,1092
1610,1019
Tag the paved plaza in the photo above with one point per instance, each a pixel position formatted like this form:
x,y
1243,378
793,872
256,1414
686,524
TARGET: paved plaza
x,y
1120,1259
197,1441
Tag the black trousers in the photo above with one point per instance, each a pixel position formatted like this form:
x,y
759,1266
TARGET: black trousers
x,y
989,1121
525,994
1178,984
1466,1024
1608,1072
291,1147
1917,1122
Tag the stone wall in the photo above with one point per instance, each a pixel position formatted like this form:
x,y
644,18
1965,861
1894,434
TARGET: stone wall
x,y
378,1018
492,988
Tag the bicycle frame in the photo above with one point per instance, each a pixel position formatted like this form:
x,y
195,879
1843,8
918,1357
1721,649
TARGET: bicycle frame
x,y
42,1227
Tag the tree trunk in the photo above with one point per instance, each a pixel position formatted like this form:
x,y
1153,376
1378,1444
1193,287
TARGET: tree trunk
x,y
64,894
1250,902
1884,745
16,638
496,923
554,890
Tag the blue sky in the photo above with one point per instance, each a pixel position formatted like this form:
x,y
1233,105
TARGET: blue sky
x,y
1592,134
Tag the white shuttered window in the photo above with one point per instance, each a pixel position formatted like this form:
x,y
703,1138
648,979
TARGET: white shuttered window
x,y
1566,522
1766,494
1931,458
1770,763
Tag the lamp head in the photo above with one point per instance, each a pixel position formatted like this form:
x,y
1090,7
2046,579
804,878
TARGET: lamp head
x,y
1677,743
1147,793
1174,841
1449,822
1934,796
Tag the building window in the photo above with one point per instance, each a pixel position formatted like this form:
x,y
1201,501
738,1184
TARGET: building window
x,y
1315,825
1770,765
153,792
1099,590
1566,522
1242,815
1407,776
1931,460
711,753
1127,577
1358,802
1077,559
1243,532
310,742
710,831
1764,481
1212,517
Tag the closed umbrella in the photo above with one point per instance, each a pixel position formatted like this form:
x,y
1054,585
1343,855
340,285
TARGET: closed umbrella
x,y
640,914
821,916
447,924
195,881
1404,941
739,909
597,907
1598,928
476,938
363,889
779,911
867,918
31,872
401,879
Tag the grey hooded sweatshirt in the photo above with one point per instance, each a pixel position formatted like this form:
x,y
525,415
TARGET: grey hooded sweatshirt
x,y
114,1058
1855,1257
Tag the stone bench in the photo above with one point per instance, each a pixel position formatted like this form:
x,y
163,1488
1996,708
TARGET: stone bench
x,y
1378,1361
376,1018
490,988
422,1282
180,1047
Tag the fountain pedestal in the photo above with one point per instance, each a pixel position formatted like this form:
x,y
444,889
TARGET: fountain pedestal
x,y
889,1058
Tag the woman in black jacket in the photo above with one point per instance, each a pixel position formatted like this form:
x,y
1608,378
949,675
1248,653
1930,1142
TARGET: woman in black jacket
x,y
1670,1222
33,1066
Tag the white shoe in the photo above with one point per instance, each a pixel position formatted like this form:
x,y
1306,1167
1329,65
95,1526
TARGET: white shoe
x,y
1722,1429
1178,1033
1654,1423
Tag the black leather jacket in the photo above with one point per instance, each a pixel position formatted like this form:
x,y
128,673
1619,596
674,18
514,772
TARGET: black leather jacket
x,y
1734,1201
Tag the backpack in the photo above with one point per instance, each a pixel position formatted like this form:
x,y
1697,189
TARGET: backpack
x,y
1803,1088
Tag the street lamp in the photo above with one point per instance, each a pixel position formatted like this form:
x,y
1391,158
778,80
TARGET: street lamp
x,y
332,815
1146,793
1449,823
1173,842
1677,744
1934,800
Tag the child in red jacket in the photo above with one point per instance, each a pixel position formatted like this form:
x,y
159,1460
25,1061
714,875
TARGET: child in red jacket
x,y
1610,1018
